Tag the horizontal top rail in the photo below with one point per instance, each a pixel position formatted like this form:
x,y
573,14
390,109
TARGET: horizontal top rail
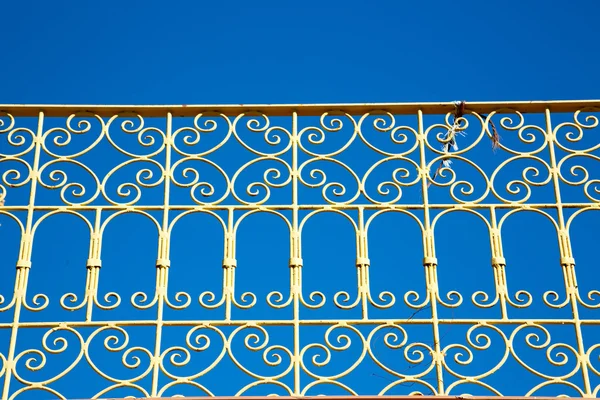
x,y
385,397
57,110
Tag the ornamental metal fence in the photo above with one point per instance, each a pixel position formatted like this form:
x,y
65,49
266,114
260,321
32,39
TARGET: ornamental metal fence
x,y
404,285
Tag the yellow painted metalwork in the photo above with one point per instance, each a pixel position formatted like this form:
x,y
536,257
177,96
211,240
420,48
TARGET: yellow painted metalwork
x,y
332,118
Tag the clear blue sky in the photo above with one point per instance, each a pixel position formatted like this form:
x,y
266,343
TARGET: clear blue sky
x,y
150,52
297,52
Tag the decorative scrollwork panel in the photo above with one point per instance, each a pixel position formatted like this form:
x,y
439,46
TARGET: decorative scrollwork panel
x,y
433,249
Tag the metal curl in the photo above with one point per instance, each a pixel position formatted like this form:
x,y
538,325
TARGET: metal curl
x,y
380,123
481,342
193,138
11,123
554,301
311,297
577,170
596,183
63,136
136,360
83,125
415,296
383,188
397,138
207,189
390,338
591,294
108,298
12,177
591,122
519,302
402,138
38,360
197,342
143,299
60,342
199,337
466,187
271,138
271,352
343,343
525,133
61,181
267,183
335,124
346,299
279,301
29,364
36,300
253,342
459,356
15,139
317,134
391,300
113,344
211,298
411,353
8,306
448,131
485,299
178,296
247,301
534,341
338,189
72,298
147,140
530,137
176,353
113,340
143,178
589,352
594,120
315,359
452,295
143,138
414,354
514,186
209,124
480,337
560,358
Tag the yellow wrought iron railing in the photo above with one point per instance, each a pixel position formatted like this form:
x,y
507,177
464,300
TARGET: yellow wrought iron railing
x,y
452,156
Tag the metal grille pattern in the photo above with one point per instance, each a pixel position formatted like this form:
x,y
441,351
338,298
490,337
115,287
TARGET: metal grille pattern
x,y
180,163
